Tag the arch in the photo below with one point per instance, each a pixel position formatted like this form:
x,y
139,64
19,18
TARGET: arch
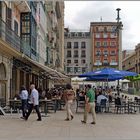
x,y
2,71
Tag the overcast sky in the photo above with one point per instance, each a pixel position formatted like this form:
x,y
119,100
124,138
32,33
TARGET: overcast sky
x,y
79,14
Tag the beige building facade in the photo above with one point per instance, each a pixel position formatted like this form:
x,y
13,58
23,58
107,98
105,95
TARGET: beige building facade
x,y
21,37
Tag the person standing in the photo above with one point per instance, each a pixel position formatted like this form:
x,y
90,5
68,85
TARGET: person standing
x,y
69,97
24,102
34,103
89,105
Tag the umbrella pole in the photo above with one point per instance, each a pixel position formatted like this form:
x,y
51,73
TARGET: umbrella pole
x,y
118,90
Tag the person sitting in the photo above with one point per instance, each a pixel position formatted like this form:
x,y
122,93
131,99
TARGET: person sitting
x,y
101,98
82,96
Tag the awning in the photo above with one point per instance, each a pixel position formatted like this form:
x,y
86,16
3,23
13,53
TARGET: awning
x,y
52,74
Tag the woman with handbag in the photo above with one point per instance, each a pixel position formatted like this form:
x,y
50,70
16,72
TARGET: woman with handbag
x,y
69,97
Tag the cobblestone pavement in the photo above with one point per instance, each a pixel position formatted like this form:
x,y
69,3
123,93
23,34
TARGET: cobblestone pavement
x,y
108,127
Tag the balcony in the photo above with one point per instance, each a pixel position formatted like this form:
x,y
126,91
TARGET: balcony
x,y
113,63
98,54
23,6
112,54
9,36
105,63
14,41
97,64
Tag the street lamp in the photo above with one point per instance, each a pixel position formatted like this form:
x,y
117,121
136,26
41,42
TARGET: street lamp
x,y
119,35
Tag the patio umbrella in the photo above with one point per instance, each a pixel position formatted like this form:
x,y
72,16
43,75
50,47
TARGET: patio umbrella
x,y
108,73
104,78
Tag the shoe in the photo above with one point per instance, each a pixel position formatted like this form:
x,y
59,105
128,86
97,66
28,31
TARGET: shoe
x,y
67,119
25,118
39,120
83,122
72,117
93,122
22,118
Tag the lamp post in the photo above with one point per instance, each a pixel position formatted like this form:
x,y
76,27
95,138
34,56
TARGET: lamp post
x,y
119,43
119,35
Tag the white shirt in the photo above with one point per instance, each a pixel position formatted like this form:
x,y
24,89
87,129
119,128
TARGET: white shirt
x,y
24,95
100,97
34,97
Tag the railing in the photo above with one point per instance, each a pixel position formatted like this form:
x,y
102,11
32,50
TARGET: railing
x,y
9,36
14,41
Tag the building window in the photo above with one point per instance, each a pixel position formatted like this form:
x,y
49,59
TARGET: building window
x,y
69,69
68,53
84,70
16,27
9,17
112,52
26,38
113,35
69,35
83,44
113,44
75,53
105,52
97,30
105,29
98,44
97,35
83,53
76,61
105,35
80,34
98,52
105,44
72,34
76,45
75,69
69,45
69,61
113,60
83,61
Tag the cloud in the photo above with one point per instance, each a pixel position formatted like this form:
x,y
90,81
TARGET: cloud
x,y
92,11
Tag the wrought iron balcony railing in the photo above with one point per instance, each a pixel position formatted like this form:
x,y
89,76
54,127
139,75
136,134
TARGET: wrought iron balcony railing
x,y
9,36
14,41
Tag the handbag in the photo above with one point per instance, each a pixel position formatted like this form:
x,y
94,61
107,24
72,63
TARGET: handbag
x,y
87,107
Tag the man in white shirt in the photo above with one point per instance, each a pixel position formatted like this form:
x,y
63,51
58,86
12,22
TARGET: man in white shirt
x,y
100,97
34,103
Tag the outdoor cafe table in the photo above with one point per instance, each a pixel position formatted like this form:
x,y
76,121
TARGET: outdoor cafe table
x,y
15,103
46,102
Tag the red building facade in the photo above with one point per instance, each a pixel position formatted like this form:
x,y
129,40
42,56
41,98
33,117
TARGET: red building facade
x,y
105,44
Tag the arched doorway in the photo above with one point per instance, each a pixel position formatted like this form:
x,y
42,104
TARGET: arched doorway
x,y
2,84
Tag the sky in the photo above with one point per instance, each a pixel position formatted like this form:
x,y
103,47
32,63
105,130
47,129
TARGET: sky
x,y
79,14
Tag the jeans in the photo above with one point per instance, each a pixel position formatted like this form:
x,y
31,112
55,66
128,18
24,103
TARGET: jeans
x,y
24,107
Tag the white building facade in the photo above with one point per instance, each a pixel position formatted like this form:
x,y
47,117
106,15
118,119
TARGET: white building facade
x,y
77,53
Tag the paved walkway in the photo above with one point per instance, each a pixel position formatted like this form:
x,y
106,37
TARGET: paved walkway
x,y
108,127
